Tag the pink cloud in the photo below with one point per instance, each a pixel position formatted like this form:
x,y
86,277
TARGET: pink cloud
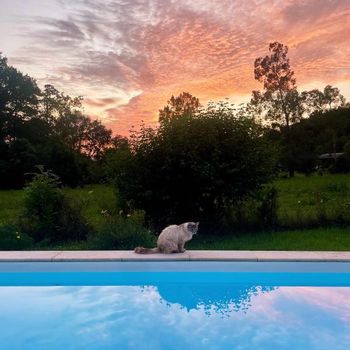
x,y
141,52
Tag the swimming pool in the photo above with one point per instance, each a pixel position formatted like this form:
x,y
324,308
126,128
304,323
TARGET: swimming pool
x,y
174,305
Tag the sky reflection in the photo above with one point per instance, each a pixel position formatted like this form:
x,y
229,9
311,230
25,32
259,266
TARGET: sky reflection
x,y
172,317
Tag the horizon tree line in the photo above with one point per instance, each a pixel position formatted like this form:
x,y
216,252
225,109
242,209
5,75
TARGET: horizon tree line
x,y
46,126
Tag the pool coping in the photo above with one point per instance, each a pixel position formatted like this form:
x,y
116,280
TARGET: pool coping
x,y
192,255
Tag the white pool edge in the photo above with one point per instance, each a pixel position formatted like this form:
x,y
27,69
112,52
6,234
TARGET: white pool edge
x,y
192,255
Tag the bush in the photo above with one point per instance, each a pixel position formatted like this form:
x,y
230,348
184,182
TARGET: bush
x,y
12,239
258,212
194,167
48,216
123,233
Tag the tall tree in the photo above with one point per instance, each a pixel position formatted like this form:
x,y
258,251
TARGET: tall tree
x,y
82,134
183,104
19,97
54,103
279,99
332,97
279,96
321,101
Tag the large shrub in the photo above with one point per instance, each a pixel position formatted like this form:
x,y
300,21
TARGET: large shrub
x,y
48,216
194,166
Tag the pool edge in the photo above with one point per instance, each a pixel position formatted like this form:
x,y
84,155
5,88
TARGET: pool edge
x,y
193,255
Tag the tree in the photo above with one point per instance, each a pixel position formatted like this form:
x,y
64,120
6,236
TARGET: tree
x,y
319,101
116,158
183,104
280,95
45,127
82,134
195,166
19,98
332,97
279,99
323,132
54,104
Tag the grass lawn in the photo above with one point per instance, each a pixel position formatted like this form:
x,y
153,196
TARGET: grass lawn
x,y
304,199
301,199
10,205
336,239
93,199
317,239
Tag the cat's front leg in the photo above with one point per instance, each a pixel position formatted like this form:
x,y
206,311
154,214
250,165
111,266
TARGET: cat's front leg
x,y
182,247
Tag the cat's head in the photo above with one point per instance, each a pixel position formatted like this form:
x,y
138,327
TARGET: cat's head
x,y
192,227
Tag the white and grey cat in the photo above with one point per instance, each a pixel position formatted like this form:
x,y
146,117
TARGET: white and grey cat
x,y
172,239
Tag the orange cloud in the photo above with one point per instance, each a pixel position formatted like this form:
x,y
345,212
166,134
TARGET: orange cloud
x,y
128,58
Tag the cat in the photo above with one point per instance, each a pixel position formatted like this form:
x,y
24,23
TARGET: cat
x,y
172,239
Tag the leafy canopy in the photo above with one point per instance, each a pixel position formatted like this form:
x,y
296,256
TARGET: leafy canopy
x,y
194,166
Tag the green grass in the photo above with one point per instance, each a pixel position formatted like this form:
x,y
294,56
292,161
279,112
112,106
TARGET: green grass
x,y
302,202
300,199
10,206
94,199
304,199
337,239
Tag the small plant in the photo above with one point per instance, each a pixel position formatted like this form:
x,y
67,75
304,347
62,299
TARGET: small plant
x,y
12,239
48,217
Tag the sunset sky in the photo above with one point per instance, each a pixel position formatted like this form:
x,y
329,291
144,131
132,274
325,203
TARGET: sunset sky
x,y
127,57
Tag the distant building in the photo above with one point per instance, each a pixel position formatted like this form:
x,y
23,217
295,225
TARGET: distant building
x,y
334,162
333,156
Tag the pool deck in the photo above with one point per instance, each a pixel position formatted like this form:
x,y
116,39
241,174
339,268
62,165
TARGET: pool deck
x,y
191,255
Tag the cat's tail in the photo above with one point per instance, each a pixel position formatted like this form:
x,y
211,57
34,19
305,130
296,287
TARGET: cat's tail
x,y
142,250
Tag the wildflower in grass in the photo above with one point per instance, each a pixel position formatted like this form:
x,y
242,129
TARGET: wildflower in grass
x,y
105,212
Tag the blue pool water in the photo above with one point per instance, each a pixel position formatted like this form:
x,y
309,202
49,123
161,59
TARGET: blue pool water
x,y
174,306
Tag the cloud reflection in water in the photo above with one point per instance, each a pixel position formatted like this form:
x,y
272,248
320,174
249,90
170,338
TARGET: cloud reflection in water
x,y
171,317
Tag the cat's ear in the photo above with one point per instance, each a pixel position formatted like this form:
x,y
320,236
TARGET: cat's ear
x,y
197,223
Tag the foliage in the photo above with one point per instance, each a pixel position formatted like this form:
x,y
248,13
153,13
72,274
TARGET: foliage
x,y
194,166
253,213
82,135
123,233
323,132
19,97
185,103
47,215
280,96
301,203
321,101
12,239
45,127
282,104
